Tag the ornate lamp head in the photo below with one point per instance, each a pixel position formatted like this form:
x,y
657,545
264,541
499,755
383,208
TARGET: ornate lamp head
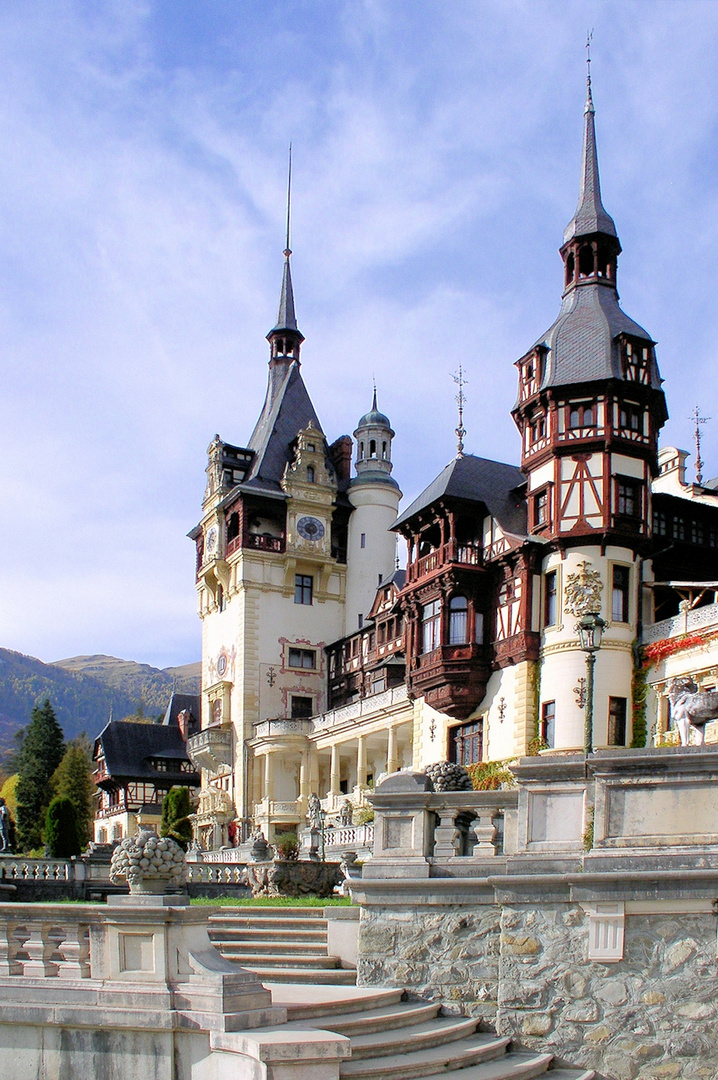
x,y
590,628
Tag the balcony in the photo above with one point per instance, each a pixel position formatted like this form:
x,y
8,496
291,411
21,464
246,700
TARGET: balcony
x,y
257,542
684,623
211,748
452,552
281,727
452,678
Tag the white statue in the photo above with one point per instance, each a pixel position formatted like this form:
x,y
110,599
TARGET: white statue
x,y
691,708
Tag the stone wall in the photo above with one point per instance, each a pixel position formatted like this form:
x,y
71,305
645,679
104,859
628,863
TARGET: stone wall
x,y
650,1015
445,953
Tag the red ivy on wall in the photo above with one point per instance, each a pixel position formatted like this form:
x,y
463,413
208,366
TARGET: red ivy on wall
x,y
659,650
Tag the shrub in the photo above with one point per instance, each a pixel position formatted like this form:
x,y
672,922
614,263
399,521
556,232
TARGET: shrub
x,y
175,816
286,846
491,775
365,816
61,829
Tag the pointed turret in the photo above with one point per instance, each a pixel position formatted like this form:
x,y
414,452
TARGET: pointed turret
x,y
591,215
285,338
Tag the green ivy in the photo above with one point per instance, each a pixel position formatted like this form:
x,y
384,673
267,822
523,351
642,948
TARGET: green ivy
x,y
639,696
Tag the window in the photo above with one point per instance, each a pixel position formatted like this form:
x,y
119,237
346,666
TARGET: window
x,y
631,417
617,721
580,416
678,528
541,507
311,447
233,527
479,628
548,723
116,832
383,451
301,707
619,594
458,620
303,587
431,626
102,836
362,540
538,428
310,474
360,620
466,743
302,658
628,498
372,448
550,608
660,524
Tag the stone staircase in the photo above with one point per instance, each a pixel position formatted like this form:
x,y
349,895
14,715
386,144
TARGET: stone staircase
x,y
282,945
396,1040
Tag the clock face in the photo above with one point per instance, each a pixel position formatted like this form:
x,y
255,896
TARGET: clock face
x,y
310,528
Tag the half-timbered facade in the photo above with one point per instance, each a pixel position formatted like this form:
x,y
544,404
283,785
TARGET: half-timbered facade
x,y
325,666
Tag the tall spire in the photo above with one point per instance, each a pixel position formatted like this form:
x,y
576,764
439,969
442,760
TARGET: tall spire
x,y
286,316
590,216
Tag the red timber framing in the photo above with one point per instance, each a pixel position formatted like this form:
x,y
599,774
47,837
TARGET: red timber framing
x,y
459,624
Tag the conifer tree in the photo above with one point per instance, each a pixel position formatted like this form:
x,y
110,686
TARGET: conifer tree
x,y
73,780
175,816
40,753
61,829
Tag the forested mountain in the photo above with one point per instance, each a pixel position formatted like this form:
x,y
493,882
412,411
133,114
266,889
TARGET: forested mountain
x,y
84,691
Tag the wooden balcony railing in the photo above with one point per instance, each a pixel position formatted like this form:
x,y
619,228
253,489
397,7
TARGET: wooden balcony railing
x,y
451,552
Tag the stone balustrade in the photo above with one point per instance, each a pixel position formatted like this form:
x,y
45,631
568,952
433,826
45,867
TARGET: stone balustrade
x,y
43,941
350,837
18,868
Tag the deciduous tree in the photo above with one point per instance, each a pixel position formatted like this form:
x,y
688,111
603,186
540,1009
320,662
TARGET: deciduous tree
x,y
73,780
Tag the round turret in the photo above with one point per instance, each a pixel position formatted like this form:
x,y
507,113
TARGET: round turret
x,y
373,442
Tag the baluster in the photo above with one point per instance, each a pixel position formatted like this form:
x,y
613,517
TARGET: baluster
x,y
40,947
485,831
446,835
74,948
9,948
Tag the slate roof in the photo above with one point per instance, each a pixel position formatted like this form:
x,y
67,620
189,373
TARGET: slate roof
x,y
478,480
128,747
286,316
183,703
591,216
582,342
287,409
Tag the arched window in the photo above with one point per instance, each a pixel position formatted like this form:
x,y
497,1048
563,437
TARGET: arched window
x,y
458,620
383,451
372,448
570,267
585,261
310,474
431,626
361,451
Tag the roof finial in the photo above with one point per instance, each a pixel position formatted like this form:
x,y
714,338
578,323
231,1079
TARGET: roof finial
x,y
460,381
698,420
288,250
589,99
373,404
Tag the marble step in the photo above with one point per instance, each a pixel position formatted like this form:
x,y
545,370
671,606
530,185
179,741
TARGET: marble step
x,y
571,1074
247,957
511,1066
438,1059
259,948
264,933
413,1037
375,1020
312,976
267,914
319,1004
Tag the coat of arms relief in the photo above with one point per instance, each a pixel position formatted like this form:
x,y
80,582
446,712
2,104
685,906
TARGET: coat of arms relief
x,y
582,593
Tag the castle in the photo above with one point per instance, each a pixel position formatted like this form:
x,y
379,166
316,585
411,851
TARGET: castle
x,y
326,666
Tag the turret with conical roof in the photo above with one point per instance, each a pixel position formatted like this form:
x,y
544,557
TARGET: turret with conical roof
x,y
374,495
590,395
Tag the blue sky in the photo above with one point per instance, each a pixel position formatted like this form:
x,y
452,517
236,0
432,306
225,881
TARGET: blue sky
x,y
436,162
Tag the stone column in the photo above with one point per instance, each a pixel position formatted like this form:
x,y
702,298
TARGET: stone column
x,y
392,761
268,778
361,761
335,771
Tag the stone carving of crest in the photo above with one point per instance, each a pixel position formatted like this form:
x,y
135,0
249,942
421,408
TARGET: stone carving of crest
x,y
582,593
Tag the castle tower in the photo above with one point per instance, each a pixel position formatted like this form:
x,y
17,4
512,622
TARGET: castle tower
x,y
589,410
374,495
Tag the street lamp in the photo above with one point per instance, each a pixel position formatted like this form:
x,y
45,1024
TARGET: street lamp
x,y
590,629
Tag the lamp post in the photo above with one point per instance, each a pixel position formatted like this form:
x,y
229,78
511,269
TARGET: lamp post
x,y
590,629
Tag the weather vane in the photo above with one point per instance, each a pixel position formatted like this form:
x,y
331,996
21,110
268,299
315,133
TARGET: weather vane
x,y
461,382
698,420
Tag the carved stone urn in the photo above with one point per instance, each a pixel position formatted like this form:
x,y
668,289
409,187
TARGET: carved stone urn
x,y
149,864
